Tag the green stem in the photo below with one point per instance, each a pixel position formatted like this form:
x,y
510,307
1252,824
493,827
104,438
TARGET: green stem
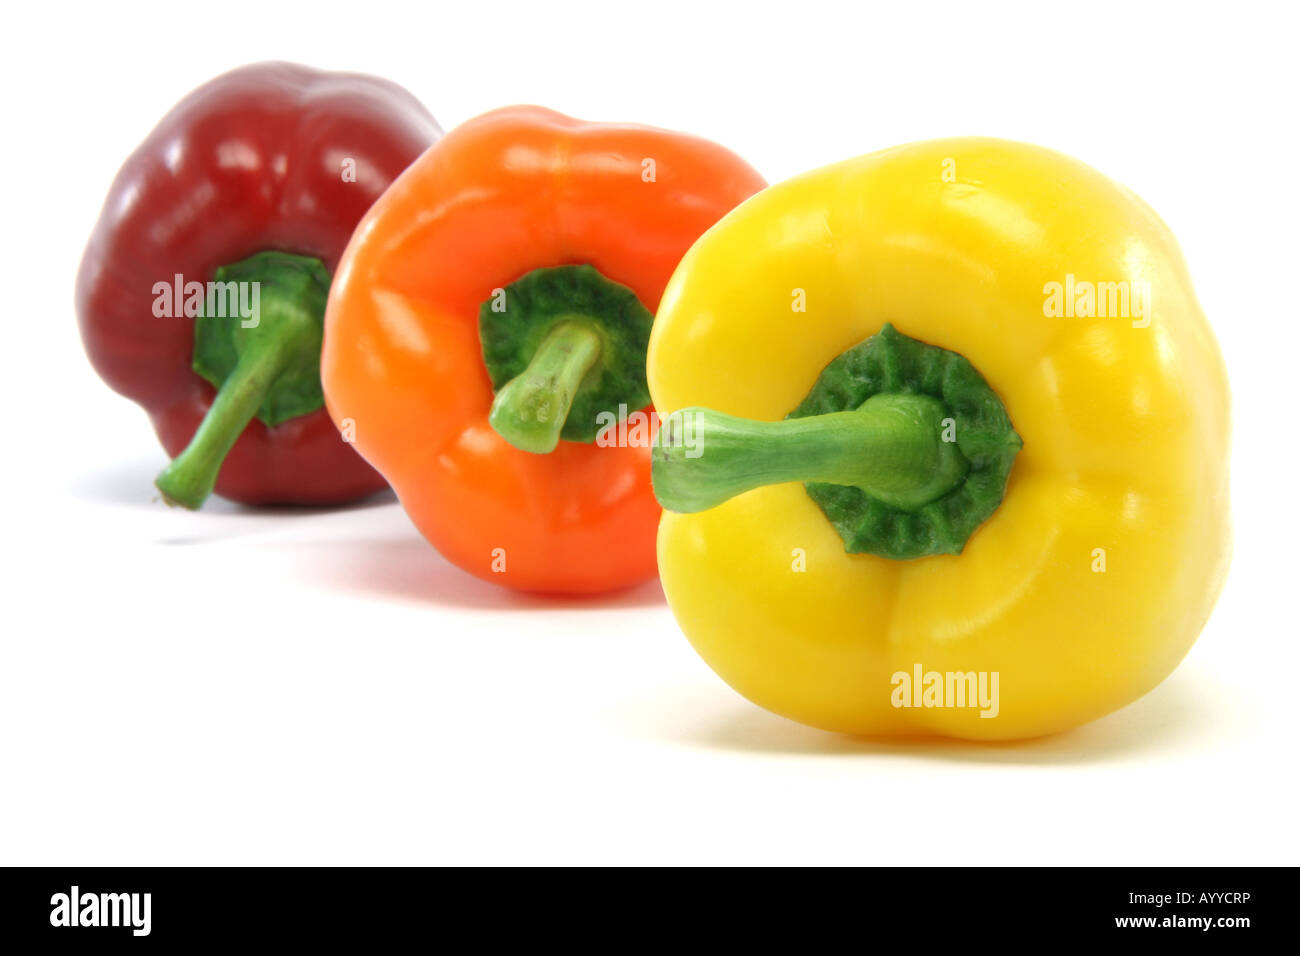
x,y
258,341
191,476
892,447
531,408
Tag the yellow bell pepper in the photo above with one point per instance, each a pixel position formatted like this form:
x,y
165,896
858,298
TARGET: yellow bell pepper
x,y
1106,399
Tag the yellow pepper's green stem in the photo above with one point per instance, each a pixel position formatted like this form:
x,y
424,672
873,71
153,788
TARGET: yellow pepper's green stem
x,y
893,447
530,410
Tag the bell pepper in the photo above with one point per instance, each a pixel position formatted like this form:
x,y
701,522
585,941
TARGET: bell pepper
x,y
485,338
201,294
948,445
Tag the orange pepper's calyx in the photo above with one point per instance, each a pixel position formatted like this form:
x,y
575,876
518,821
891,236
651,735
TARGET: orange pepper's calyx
x,y
565,348
903,446
258,341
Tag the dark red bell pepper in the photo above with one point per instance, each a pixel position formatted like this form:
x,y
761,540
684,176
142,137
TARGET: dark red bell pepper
x,y
242,200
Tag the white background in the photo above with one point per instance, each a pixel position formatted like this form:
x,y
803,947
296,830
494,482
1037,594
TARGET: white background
x,y
321,687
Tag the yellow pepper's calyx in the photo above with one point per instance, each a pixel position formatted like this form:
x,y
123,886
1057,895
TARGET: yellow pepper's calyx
x,y
903,445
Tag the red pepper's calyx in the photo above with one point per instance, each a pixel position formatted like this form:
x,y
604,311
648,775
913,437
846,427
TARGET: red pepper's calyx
x,y
258,342
565,348
903,445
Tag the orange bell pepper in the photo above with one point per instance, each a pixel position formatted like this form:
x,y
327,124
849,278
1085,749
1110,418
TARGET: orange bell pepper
x,y
480,379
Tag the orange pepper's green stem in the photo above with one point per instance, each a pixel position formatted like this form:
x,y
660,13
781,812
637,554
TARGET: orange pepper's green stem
x,y
530,410
565,348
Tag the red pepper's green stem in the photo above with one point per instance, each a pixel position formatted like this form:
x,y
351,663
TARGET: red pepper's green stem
x,y
264,363
892,447
190,478
531,408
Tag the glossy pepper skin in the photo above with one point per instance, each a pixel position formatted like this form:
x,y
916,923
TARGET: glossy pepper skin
x,y
513,191
251,161
1094,576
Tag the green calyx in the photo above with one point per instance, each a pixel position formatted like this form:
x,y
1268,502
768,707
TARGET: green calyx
x,y
565,349
903,445
258,341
